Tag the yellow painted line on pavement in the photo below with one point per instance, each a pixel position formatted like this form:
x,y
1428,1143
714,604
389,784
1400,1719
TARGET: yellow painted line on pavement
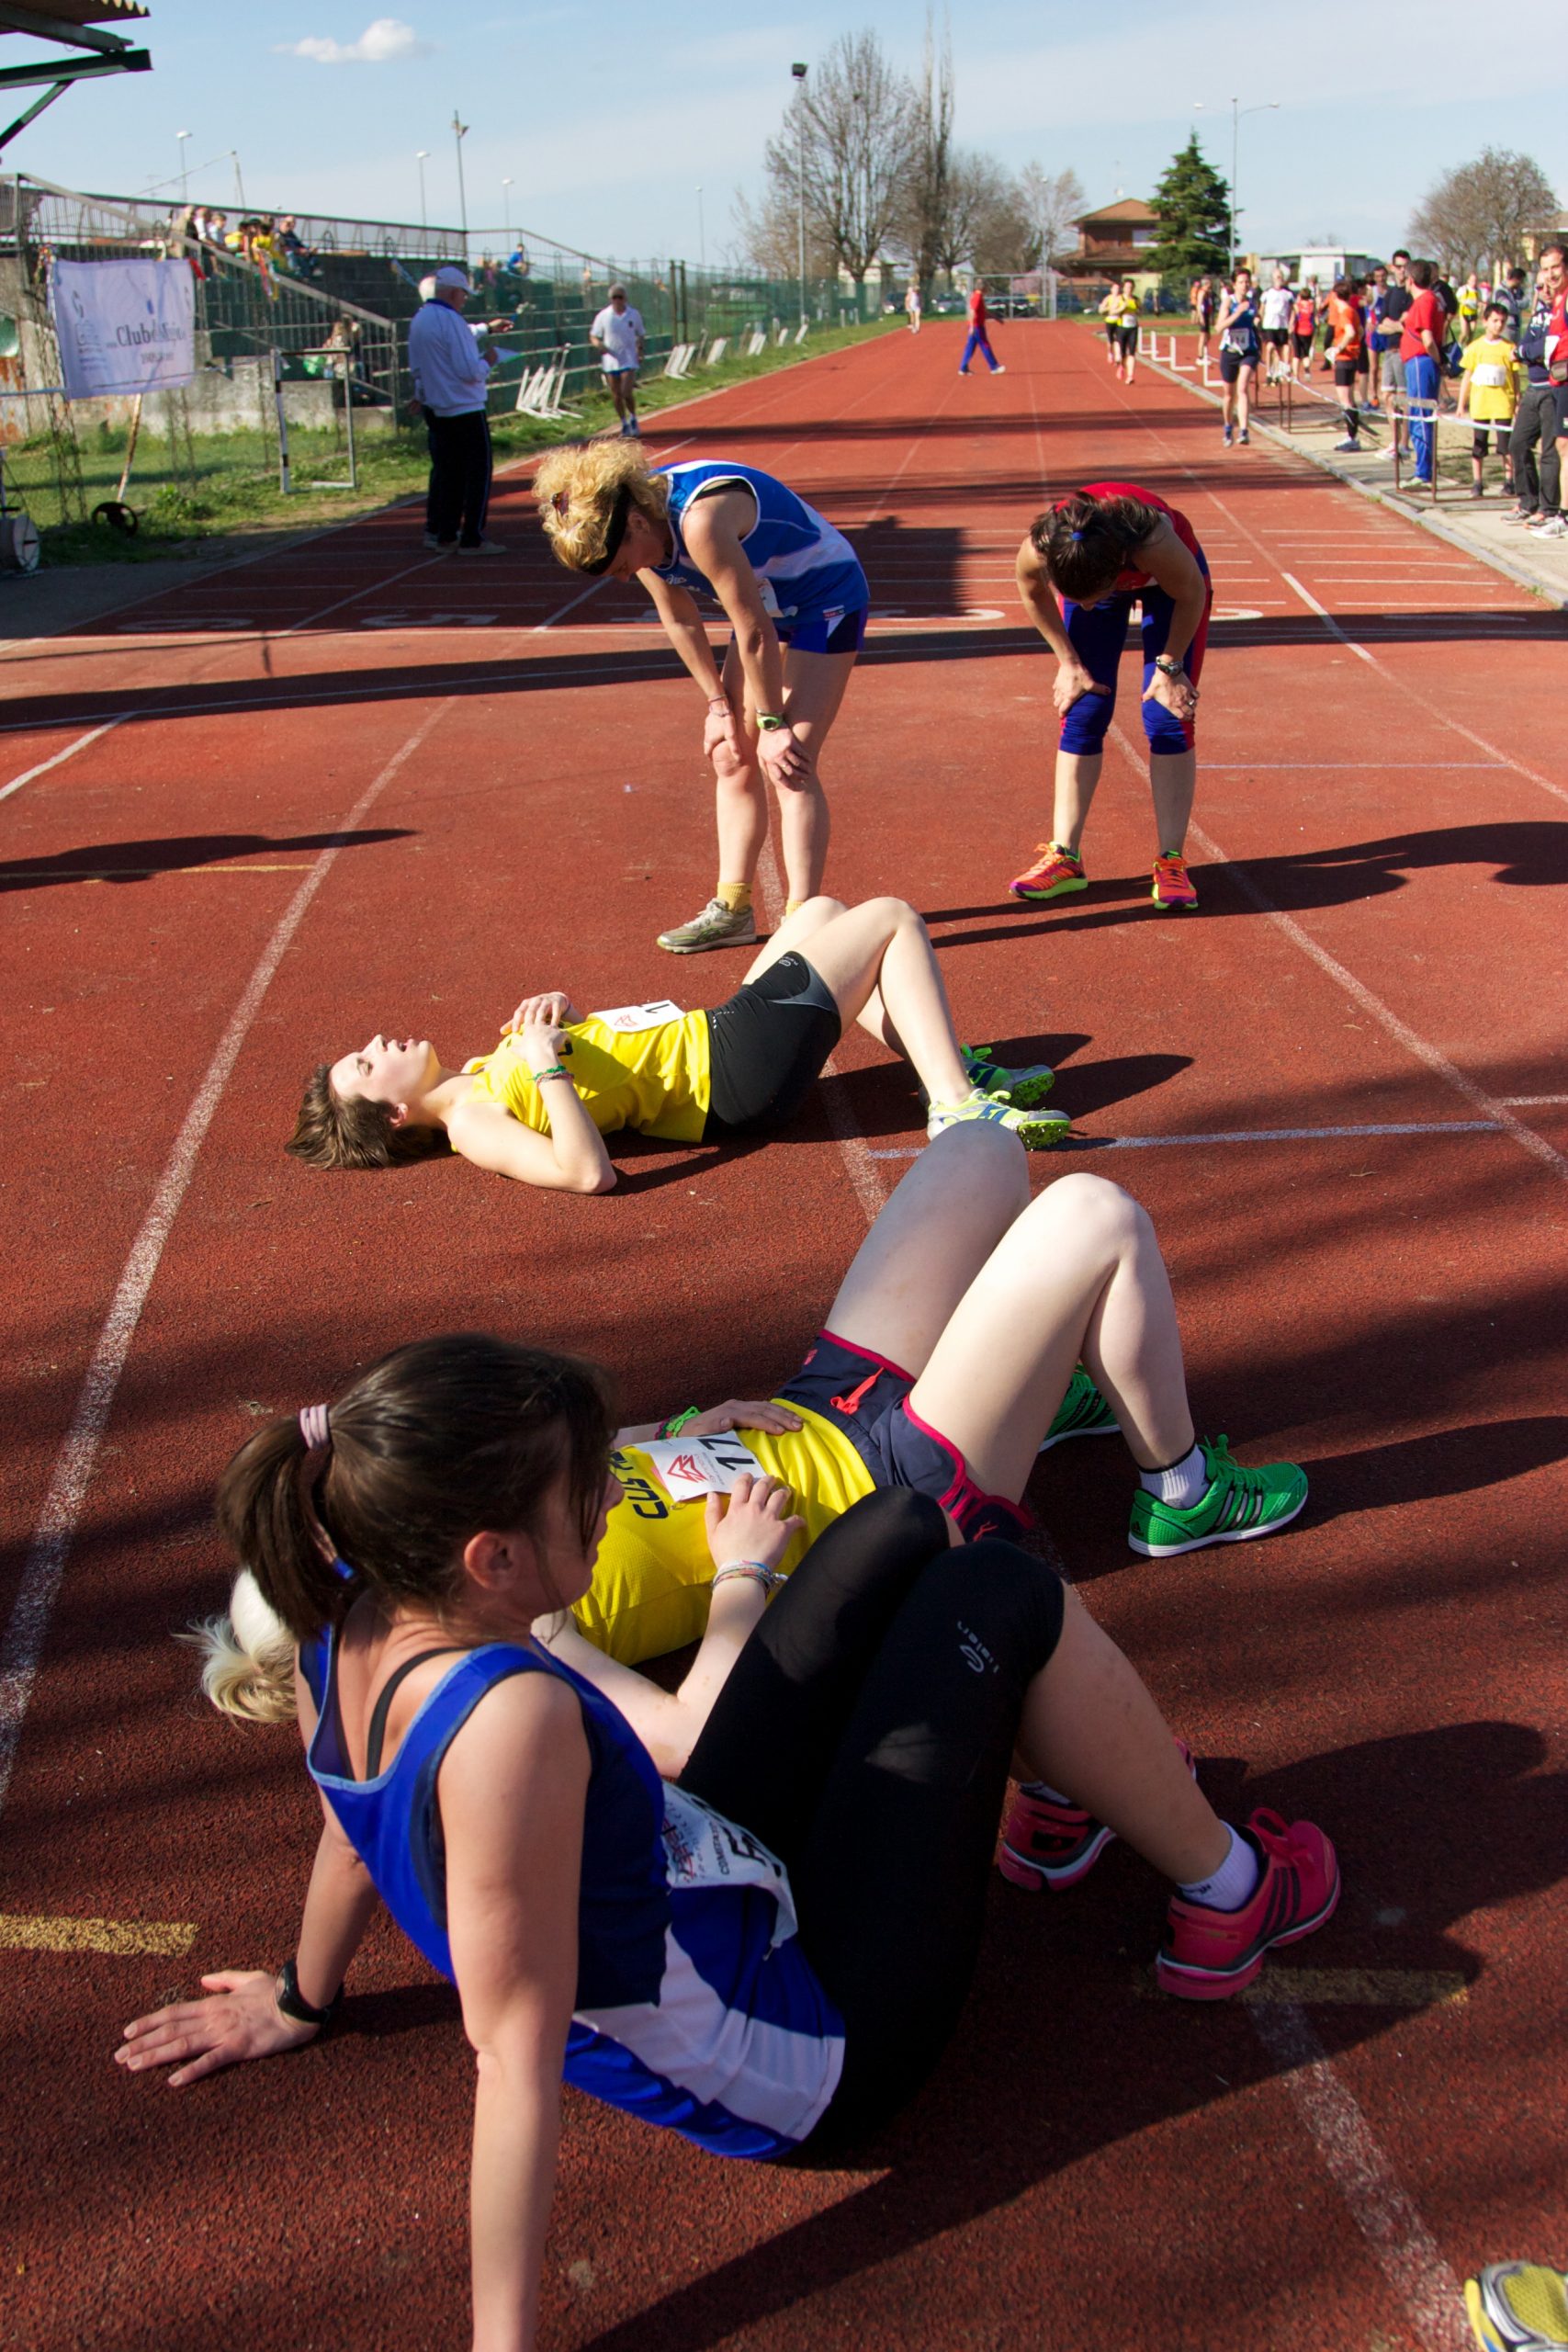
x,y
1360,1988
168,1939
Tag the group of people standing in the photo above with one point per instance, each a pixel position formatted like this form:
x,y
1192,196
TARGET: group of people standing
x,y
748,1908
1392,341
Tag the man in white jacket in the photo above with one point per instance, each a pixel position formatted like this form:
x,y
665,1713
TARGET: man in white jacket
x,y
451,379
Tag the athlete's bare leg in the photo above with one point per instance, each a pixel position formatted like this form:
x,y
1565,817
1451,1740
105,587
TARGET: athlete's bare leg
x,y
814,686
1077,775
1173,779
878,960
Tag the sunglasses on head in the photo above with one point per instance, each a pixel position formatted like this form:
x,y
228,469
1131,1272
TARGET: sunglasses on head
x,y
620,514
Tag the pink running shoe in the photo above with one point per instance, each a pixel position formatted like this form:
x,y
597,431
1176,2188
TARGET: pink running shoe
x,y
1055,873
1208,1954
1047,1843
1172,883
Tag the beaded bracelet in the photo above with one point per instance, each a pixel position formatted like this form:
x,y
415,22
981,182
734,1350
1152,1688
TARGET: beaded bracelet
x,y
541,1075
677,1421
771,1580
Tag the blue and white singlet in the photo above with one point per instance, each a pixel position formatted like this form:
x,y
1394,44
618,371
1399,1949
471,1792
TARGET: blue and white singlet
x,y
695,2006
807,570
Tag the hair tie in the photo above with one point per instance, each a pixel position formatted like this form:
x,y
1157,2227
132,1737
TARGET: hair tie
x,y
1077,535
315,1429
561,501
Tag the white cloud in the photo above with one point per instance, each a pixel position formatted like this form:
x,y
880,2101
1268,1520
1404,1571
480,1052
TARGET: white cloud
x,y
387,38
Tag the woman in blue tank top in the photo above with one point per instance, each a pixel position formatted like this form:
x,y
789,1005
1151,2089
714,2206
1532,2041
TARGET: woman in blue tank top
x,y
772,1948
793,591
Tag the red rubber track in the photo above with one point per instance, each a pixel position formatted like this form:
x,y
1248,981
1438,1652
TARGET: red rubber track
x,y
1381,944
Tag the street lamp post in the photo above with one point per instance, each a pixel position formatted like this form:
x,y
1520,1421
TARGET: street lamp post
x,y
1269,105
506,201
702,239
799,74
421,158
184,159
460,132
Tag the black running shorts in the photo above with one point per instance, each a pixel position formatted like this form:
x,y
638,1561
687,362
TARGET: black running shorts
x,y
767,1044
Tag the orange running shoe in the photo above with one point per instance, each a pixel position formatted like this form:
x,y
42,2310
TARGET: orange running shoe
x,y
1172,883
1053,873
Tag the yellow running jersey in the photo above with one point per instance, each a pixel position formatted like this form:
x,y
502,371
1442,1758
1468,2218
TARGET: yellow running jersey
x,y
654,1571
655,1080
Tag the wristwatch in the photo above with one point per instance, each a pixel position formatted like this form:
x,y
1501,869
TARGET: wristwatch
x,y
1168,663
293,2004
770,721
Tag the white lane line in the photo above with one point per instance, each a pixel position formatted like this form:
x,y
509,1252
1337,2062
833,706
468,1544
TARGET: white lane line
x,y
1402,2244
60,758
1352,767
1528,1101
1494,1111
853,1148
24,1638
1257,1134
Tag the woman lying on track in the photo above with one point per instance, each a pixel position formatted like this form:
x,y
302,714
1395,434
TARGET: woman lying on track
x,y
771,1950
539,1107
795,598
1083,564
953,1353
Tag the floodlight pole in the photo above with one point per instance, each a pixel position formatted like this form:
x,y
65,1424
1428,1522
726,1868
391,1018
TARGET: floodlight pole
x,y
1269,105
460,132
421,158
799,74
185,161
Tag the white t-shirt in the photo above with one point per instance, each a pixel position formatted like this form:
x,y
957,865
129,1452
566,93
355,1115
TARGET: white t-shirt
x,y
620,333
1277,301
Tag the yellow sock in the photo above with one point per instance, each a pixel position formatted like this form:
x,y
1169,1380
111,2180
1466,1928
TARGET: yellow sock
x,y
793,907
736,896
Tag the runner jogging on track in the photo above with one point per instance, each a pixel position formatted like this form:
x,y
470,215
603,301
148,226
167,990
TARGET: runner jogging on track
x,y
1276,305
1083,564
796,601
617,332
1240,347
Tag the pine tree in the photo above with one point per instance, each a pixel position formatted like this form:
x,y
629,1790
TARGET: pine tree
x,y
1192,202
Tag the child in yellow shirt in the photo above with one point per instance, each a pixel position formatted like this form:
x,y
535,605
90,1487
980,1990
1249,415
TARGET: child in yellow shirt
x,y
1489,393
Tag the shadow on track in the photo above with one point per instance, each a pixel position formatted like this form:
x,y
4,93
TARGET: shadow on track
x,y
175,853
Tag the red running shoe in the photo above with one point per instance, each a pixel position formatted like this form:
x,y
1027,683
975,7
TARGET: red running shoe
x,y
1048,1843
1172,883
1053,874
1208,1954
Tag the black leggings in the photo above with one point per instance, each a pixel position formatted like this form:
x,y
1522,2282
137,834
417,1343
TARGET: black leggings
x,y
766,1047
865,1735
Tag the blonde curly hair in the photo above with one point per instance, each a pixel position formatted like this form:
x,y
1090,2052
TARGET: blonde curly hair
x,y
247,1657
579,489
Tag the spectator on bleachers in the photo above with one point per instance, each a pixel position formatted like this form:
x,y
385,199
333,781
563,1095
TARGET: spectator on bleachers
x,y
293,253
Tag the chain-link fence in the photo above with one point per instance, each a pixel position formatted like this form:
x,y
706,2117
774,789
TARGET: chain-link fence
x,y
288,375
301,341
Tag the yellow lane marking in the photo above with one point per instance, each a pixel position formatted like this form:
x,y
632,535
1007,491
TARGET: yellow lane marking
x,y
124,1937
1361,1989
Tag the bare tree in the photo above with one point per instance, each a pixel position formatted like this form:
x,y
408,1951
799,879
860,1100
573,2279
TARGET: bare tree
x,y
921,217
1051,202
852,137
1479,213
768,235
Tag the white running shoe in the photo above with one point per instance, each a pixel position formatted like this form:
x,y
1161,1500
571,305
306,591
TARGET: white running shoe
x,y
716,926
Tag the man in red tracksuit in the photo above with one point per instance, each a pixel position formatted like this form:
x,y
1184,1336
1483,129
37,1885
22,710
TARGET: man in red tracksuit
x,y
979,337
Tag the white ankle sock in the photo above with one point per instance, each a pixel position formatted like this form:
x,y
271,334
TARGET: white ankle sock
x,y
1181,1484
1230,1886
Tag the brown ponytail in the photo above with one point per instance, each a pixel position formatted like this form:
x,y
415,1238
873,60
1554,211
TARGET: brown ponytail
x,y
437,1440
1084,542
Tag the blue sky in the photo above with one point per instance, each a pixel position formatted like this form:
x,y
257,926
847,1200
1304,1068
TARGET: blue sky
x,y
606,118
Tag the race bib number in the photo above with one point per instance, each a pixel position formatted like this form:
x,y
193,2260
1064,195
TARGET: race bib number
x,y
689,1467
628,1019
702,1848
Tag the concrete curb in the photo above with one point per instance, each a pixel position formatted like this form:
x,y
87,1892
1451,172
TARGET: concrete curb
x,y
1520,574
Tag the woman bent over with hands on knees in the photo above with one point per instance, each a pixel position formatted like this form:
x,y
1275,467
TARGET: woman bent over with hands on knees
x,y
1082,567
539,1107
772,1948
795,598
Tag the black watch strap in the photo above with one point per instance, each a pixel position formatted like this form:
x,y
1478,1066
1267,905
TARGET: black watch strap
x,y
293,2004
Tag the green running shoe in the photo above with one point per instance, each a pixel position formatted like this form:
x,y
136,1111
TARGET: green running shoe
x,y
1036,1130
1083,1412
1022,1088
1234,1506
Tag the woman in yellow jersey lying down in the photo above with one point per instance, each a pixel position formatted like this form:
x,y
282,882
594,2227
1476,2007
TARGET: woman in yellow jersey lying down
x,y
955,1353
539,1107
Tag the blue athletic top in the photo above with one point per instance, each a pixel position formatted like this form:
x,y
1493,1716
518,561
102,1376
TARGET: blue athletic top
x,y
696,2006
1242,335
807,570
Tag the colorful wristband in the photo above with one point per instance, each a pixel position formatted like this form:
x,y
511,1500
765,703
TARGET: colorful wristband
x,y
557,1072
771,1580
677,1421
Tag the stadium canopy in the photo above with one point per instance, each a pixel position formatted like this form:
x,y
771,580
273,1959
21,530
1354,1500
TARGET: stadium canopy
x,y
68,25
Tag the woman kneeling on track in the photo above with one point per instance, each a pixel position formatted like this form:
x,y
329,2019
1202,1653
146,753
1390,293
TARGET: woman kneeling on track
x,y
1099,552
795,598
539,1107
772,1948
